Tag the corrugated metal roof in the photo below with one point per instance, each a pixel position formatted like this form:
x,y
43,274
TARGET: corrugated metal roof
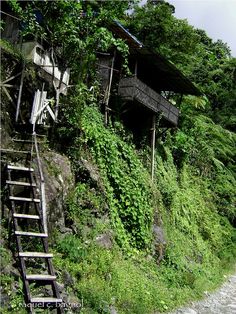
x,y
131,38
161,74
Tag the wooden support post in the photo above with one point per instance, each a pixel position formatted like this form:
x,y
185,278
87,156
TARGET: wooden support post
x,y
57,103
180,100
136,68
153,145
20,92
42,184
58,91
109,89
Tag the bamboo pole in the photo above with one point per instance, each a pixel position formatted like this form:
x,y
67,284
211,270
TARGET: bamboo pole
x,y
57,103
109,89
20,92
153,145
42,185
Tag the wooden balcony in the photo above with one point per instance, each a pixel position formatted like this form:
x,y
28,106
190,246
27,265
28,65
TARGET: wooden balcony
x,y
132,89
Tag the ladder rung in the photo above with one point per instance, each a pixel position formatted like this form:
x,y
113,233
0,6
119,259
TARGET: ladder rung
x,y
22,141
35,254
28,134
45,300
28,141
20,183
31,234
40,277
12,167
24,199
15,215
7,150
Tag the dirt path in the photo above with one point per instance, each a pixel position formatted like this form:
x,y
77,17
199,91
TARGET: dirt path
x,y
223,301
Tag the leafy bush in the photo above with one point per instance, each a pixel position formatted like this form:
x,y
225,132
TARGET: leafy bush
x,y
72,248
126,181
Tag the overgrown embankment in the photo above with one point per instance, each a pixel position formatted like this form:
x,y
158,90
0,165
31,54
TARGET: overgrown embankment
x,y
133,246
122,207
111,254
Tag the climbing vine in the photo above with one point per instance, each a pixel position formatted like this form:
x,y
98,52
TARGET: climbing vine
x,y
125,178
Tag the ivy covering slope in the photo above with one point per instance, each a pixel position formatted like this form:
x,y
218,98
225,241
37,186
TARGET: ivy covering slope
x,y
193,190
200,242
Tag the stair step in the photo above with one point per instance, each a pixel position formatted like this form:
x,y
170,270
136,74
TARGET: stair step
x,y
22,141
15,215
35,254
45,300
7,150
16,133
20,168
31,234
42,140
20,183
24,199
40,277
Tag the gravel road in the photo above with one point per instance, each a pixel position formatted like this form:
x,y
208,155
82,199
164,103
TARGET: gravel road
x,y
222,301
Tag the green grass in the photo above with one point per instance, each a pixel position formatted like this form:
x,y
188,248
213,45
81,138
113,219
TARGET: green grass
x,y
132,285
200,244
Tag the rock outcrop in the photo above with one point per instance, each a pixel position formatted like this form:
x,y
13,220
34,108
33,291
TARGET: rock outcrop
x,y
59,181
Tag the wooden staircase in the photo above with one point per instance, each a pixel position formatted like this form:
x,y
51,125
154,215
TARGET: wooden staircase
x,y
26,200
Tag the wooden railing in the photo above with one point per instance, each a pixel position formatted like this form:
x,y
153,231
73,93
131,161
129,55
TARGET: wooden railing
x,y
132,89
41,182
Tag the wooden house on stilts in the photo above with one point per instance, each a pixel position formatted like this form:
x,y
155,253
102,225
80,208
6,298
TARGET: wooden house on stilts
x,y
142,94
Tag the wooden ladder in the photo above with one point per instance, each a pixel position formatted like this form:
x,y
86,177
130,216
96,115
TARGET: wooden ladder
x,y
25,202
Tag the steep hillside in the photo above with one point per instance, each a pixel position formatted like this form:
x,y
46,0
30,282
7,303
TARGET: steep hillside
x,y
125,243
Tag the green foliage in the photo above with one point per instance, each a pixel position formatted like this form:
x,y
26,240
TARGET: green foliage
x,y
76,34
10,49
71,247
86,208
15,5
125,180
189,211
105,278
207,63
16,298
5,257
205,143
194,179
156,26
210,149
192,213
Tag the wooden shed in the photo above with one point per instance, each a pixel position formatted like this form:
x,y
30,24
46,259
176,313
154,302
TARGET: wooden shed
x,y
152,74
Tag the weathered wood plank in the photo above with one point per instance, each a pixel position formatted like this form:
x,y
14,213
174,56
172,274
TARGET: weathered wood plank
x,y
131,88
